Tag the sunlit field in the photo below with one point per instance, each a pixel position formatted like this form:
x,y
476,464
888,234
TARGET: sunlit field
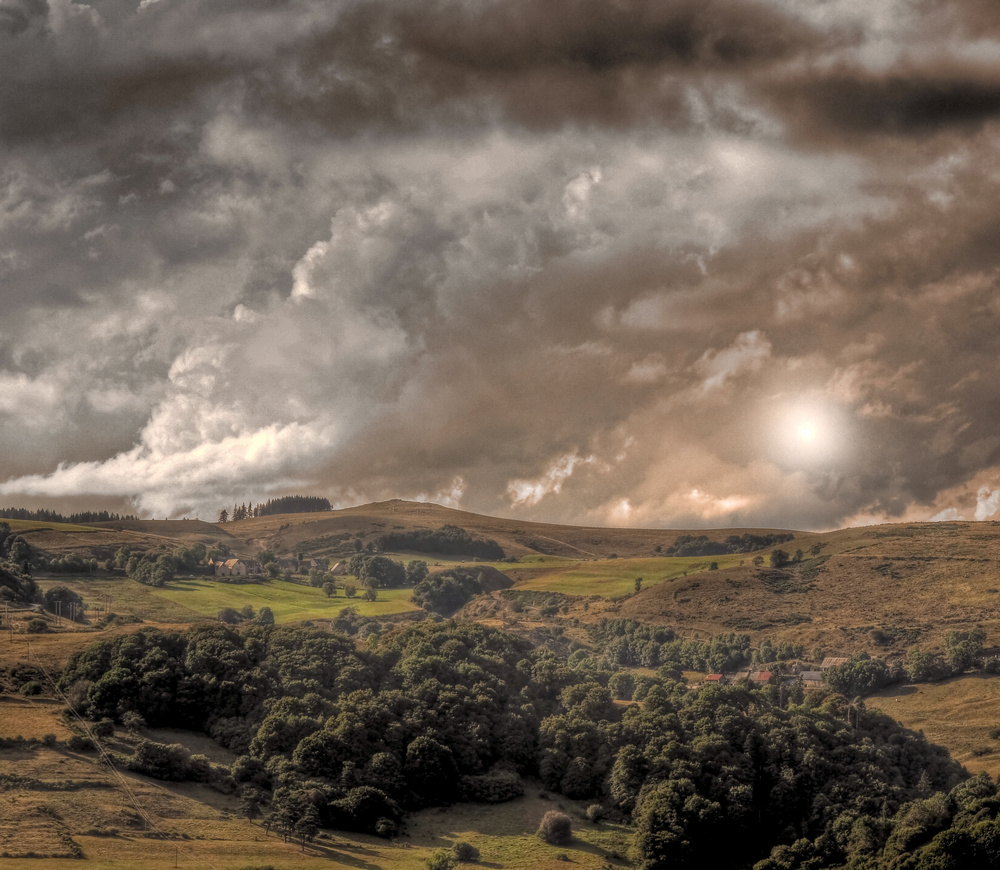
x,y
192,599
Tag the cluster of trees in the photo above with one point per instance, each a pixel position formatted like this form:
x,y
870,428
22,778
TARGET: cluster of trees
x,y
155,567
863,674
700,545
245,614
331,734
16,583
448,591
448,541
627,643
289,504
46,516
72,563
65,602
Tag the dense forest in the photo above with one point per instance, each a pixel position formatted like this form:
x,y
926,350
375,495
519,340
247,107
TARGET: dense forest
x,y
701,545
446,541
355,732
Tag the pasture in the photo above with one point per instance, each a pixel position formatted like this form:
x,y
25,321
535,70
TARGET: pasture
x,y
290,602
190,599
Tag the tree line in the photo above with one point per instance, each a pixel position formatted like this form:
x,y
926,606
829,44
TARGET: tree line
x,y
49,516
289,504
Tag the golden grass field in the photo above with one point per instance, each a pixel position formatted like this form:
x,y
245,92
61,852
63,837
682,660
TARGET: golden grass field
x,y
959,713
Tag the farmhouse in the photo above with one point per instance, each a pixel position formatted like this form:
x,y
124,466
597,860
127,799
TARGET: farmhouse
x,y
237,568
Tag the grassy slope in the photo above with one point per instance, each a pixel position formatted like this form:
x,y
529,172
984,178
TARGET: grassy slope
x,y
959,713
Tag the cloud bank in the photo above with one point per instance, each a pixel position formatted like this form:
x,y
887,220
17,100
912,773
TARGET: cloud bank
x,y
646,263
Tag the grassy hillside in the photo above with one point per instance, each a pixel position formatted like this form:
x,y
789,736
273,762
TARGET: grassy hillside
x,y
961,713
333,532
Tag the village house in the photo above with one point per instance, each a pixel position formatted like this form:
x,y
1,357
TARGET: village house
x,y
237,568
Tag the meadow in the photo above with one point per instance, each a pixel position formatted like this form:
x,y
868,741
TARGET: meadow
x,y
194,598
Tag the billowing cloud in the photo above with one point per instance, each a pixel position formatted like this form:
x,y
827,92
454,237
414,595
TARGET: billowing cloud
x,y
654,263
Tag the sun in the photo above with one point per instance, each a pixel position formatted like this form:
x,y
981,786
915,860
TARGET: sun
x,y
808,434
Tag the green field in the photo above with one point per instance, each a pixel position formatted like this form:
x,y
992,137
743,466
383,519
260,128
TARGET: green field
x,y
613,578
192,599
290,602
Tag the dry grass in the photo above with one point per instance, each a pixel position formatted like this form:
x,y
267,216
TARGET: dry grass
x,y
959,713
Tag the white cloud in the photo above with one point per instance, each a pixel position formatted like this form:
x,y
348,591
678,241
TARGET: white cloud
x,y
529,492
987,502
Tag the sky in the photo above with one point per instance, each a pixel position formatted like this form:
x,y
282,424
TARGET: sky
x,y
662,263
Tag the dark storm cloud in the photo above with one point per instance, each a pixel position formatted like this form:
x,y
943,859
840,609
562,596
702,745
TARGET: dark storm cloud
x,y
17,16
405,66
575,260
917,103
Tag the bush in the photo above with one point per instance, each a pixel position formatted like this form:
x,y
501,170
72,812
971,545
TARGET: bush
x,y
556,828
31,688
104,728
441,859
465,852
80,744
37,626
595,812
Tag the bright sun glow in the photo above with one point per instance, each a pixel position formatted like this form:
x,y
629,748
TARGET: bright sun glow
x,y
808,433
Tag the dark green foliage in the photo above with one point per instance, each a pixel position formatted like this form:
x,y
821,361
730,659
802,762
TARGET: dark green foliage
x,y
690,545
48,516
491,788
377,572
37,626
861,675
448,541
292,504
349,736
465,852
15,568
447,591
66,601
168,762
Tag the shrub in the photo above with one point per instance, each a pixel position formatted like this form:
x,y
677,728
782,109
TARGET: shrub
x,y
595,812
104,728
31,688
465,852
441,859
37,626
80,744
556,828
